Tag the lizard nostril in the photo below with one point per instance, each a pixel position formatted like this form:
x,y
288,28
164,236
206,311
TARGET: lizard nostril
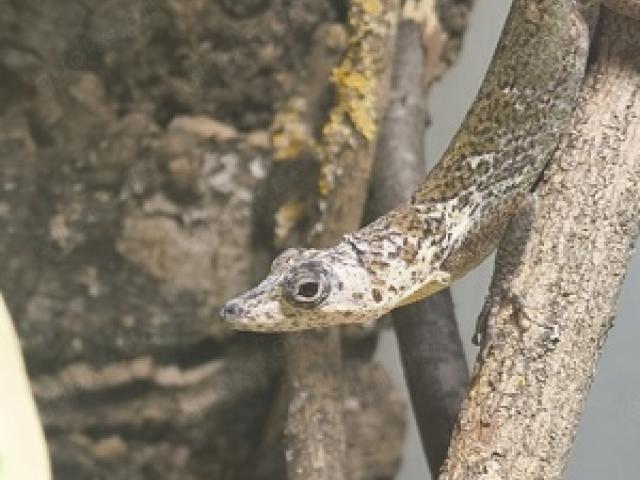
x,y
231,311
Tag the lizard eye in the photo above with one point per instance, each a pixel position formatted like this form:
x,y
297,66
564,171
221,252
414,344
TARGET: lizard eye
x,y
308,286
307,290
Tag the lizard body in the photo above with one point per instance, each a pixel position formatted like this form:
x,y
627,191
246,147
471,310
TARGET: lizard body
x,y
457,215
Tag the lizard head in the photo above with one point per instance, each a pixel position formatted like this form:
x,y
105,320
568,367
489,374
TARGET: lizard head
x,y
305,289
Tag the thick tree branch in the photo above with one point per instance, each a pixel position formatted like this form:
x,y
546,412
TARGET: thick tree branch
x,y
427,333
558,274
315,429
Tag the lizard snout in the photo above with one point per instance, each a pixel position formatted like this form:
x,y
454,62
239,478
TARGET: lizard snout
x,y
232,311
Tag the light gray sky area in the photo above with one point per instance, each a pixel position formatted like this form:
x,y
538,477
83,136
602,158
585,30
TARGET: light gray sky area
x,y
609,434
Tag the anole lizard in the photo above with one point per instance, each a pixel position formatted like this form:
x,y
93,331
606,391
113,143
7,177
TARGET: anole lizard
x,y
457,215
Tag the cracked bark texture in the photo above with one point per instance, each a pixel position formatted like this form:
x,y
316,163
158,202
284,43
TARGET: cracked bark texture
x,y
558,274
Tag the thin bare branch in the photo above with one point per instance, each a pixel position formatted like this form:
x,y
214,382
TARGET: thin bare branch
x,y
435,370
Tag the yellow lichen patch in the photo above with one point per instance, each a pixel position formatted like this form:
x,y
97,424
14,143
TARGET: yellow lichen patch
x,y
370,7
343,76
333,129
352,122
361,116
354,89
287,216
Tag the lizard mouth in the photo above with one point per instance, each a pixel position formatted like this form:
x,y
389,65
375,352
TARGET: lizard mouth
x,y
239,317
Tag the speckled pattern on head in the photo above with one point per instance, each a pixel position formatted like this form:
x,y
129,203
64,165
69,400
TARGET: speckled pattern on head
x,y
456,217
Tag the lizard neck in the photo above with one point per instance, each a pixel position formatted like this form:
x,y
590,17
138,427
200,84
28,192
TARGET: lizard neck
x,y
457,216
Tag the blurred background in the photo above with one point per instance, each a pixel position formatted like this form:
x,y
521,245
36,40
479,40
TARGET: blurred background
x,y
609,433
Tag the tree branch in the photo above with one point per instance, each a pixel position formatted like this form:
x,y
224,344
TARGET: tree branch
x,y
558,274
315,432
427,333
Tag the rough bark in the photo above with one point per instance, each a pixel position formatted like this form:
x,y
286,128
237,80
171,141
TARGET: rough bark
x,y
629,8
135,137
427,333
558,274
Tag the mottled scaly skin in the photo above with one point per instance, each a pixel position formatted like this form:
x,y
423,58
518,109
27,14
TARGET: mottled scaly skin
x,y
457,215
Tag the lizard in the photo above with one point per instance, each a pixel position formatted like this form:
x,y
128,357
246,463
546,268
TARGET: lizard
x,y
457,215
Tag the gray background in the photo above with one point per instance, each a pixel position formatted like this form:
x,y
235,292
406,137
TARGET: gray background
x,y
608,438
